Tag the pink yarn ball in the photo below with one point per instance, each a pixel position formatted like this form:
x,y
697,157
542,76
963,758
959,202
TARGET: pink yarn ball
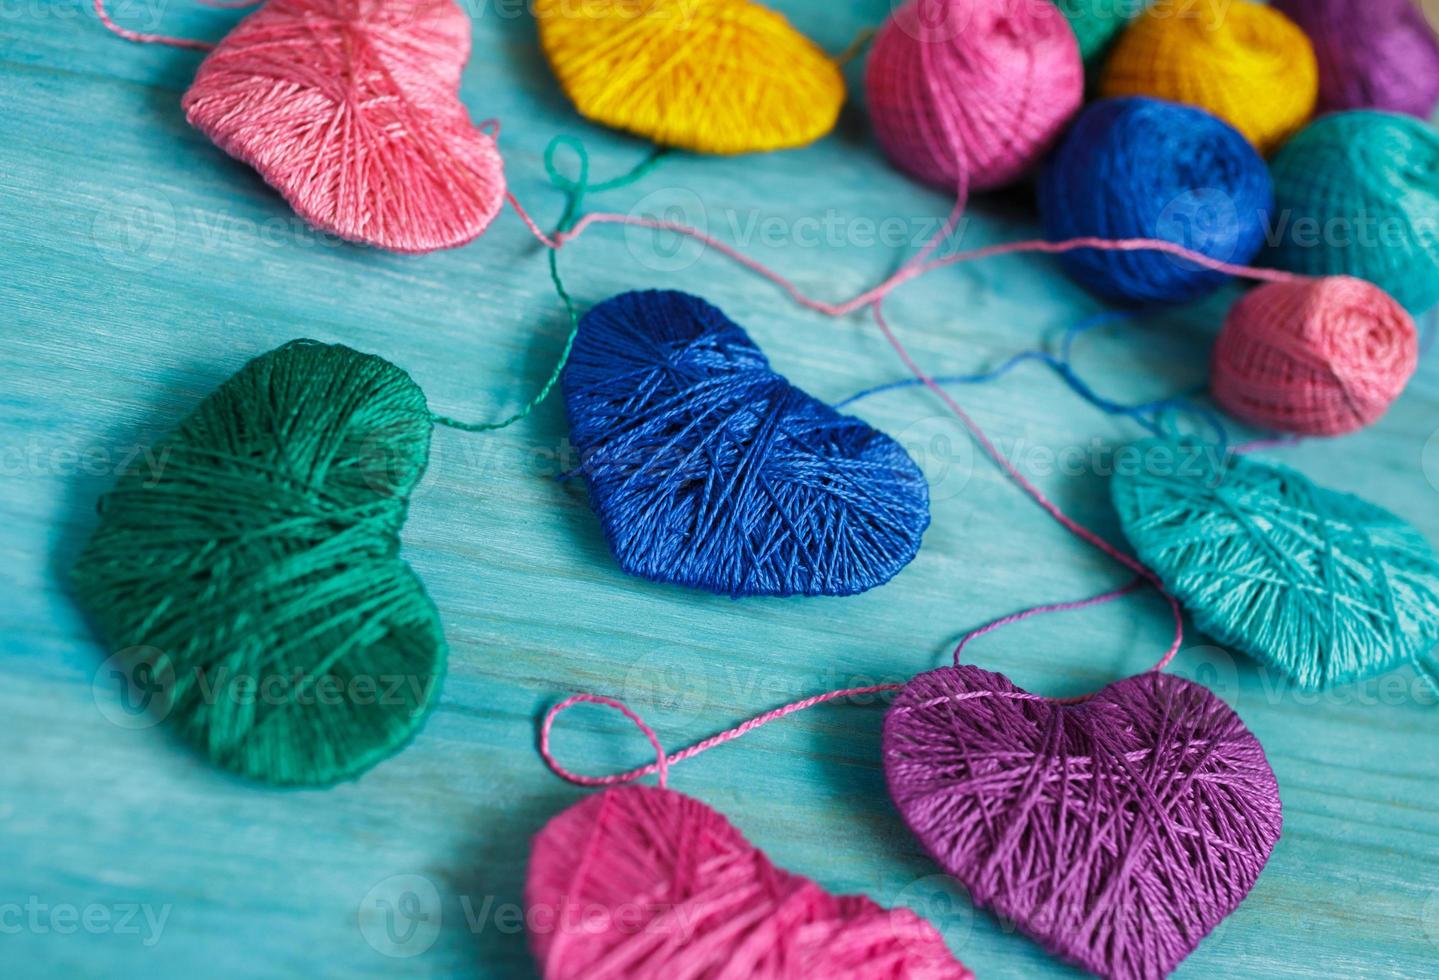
x,y
1317,357
972,90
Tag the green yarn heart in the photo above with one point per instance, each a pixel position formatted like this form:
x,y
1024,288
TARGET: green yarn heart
x,y
258,571
1324,586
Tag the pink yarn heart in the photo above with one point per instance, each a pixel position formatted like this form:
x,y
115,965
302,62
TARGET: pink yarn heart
x,y
1117,831
350,109
644,883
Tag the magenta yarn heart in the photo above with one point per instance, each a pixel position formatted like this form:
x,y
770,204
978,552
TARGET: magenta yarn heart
x,y
1117,831
639,883
350,109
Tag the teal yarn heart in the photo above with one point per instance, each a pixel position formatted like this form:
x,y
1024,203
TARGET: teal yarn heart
x,y
1323,586
1357,193
258,571
707,469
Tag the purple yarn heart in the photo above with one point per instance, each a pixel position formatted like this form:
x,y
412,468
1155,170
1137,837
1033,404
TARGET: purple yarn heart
x,y
1117,832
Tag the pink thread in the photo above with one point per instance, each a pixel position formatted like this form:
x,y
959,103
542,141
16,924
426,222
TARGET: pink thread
x,y
909,272
662,762
1320,357
1136,583
1072,526
977,89
142,38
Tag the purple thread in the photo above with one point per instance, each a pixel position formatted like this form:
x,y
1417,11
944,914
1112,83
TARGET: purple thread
x,y
1373,54
1116,832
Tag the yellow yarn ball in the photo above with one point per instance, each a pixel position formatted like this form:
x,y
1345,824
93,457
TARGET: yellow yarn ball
x,y
714,76
1247,64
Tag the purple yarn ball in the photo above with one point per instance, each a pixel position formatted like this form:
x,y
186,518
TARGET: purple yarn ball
x,y
1373,54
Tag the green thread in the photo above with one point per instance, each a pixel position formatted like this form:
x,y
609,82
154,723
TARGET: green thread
x,y
575,191
252,584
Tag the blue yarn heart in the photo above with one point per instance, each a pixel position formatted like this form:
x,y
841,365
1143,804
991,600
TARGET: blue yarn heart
x,y
707,469
1324,586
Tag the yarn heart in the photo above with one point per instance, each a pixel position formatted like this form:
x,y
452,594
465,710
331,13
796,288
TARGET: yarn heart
x,y
707,469
1116,832
714,76
640,883
256,568
1323,586
350,109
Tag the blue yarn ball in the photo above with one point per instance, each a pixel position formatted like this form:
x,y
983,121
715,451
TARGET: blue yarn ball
x,y
709,470
1145,168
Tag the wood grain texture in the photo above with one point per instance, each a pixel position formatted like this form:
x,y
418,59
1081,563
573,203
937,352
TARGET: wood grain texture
x,y
141,267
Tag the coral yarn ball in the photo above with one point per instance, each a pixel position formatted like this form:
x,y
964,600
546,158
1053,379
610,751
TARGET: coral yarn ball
x,y
1373,54
712,76
1316,357
1357,193
972,92
1246,63
1142,168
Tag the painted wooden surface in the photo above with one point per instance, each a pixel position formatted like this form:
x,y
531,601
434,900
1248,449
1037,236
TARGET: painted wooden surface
x,y
141,267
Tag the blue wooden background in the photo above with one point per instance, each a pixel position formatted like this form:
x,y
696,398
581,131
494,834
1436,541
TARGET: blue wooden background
x,y
141,267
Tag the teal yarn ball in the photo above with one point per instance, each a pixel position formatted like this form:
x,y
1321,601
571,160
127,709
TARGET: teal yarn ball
x,y
1357,193
253,579
1322,586
1097,23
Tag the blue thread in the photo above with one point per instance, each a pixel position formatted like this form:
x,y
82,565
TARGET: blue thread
x,y
1143,168
1152,415
709,470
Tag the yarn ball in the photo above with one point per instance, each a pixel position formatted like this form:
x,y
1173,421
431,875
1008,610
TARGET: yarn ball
x,y
640,883
709,470
1357,193
1247,63
253,579
1373,54
351,111
713,76
1097,23
1143,168
1318,357
1116,832
972,92
1322,586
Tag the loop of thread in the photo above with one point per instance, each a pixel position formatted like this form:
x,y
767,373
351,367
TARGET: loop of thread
x,y
662,762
